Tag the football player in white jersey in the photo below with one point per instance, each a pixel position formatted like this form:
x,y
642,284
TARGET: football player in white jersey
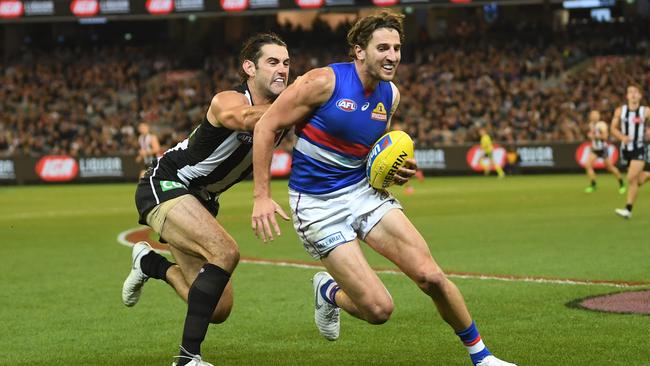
x,y
598,134
178,198
629,127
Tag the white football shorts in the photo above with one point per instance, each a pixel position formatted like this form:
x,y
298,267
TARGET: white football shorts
x,y
326,221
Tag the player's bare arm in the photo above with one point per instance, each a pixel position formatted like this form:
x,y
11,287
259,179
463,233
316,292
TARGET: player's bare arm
x,y
231,110
616,130
293,106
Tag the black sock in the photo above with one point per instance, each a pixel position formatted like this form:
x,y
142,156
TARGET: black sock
x,y
593,183
629,207
155,265
620,182
204,295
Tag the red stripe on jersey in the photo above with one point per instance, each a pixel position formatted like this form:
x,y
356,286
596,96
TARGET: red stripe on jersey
x,y
334,143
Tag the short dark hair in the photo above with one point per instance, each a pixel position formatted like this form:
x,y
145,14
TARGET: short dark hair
x,y
252,49
361,32
636,86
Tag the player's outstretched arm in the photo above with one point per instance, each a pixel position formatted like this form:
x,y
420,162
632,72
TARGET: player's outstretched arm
x,y
293,106
231,110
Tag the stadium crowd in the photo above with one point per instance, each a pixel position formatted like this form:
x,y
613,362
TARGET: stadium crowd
x,y
87,102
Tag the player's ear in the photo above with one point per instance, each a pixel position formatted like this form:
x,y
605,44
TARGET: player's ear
x,y
359,52
249,68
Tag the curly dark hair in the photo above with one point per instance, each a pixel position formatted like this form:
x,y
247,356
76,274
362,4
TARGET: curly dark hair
x,y
361,32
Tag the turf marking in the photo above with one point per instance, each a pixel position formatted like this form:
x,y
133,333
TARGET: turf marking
x,y
131,236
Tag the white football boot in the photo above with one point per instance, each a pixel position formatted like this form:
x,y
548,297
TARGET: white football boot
x,y
132,287
493,361
195,360
623,212
326,315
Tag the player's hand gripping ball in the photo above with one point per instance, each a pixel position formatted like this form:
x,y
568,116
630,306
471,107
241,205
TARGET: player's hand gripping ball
x,y
387,155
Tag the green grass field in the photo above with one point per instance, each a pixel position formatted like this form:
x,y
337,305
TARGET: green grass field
x,y
62,270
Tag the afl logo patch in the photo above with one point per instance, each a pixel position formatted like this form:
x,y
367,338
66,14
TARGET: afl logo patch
x,y
245,138
346,105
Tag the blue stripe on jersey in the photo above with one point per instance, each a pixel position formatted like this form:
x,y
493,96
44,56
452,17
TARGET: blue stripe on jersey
x,y
314,177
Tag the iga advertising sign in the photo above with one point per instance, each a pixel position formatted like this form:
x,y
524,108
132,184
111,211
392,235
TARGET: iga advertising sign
x,y
310,4
477,159
11,9
159,7
583,151
57,168
84,8
234,5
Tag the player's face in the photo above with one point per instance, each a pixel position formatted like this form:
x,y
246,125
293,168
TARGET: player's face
x,y
633,95
383,54
272,70
594,116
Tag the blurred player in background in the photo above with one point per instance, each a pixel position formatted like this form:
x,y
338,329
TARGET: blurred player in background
x,y
149,147
629,126
598,134
339,112
488,161
178,197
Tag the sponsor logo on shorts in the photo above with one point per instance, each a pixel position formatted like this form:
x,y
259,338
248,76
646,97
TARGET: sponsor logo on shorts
x,y
379,113
332,239
346,105
168,185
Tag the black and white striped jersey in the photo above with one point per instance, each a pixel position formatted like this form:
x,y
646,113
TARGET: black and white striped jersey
x,y
633,126
212,158
598,142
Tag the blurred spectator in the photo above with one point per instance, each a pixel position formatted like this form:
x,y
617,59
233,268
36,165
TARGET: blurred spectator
x,y
86,102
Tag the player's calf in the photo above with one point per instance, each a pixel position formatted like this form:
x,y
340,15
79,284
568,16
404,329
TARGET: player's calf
x,y
378,311
432,282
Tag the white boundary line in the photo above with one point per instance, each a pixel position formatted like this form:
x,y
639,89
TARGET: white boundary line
x,y
121,238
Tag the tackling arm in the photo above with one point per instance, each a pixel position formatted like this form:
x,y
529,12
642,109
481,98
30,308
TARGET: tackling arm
x,y
232,110
293,106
